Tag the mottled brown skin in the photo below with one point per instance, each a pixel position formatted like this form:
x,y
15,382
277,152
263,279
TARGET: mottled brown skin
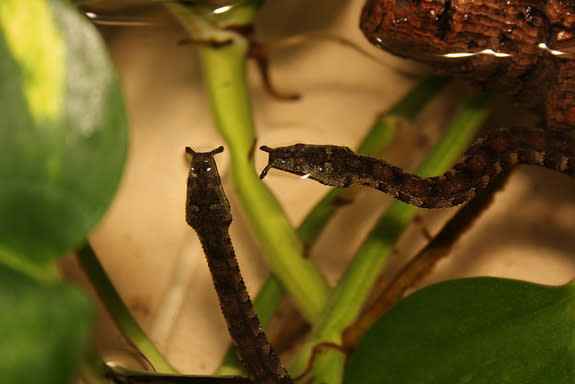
x,y
208,213
485,159
533,76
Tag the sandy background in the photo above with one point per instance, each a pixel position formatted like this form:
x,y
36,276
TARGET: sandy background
x,y
156,261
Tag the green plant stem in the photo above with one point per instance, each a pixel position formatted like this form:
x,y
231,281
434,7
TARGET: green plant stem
x,y
119,311
355,285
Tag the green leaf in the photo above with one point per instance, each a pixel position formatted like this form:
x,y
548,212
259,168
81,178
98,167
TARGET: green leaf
x,y
63,131
44,330
481,330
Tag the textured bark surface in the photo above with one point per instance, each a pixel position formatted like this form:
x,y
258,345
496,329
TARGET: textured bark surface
x,y
523,48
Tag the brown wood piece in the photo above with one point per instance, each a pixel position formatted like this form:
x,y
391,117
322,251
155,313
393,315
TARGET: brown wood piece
x,y
524,48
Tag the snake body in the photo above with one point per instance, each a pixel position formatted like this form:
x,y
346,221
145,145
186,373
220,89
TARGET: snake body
x,y
487,157
208,213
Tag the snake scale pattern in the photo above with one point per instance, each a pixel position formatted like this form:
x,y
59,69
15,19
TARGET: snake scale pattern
x,y
208,213
487,157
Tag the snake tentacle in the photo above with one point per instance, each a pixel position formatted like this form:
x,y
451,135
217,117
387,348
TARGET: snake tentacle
x,y
487,157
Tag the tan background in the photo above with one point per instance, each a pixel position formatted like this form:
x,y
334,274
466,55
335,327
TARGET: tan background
x,y
156,261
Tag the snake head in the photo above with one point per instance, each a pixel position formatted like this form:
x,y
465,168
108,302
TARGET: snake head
x,y
299,159
318,162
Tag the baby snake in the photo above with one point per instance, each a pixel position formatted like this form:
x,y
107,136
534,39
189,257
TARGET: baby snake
x,y
208,213
486,158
